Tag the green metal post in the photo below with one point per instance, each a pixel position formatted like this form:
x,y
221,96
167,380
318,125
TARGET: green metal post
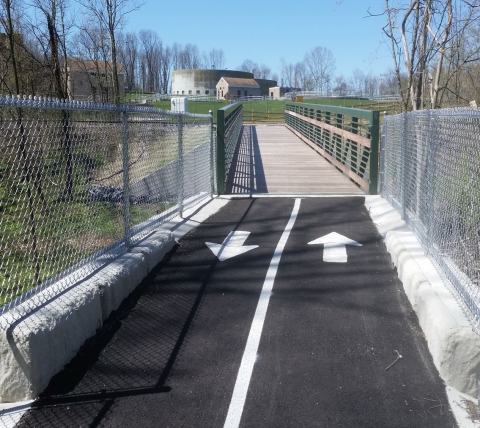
x,y
374,138
212,147
220,152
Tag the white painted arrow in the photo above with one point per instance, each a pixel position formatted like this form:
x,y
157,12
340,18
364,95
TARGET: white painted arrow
x,y
232,245
334,250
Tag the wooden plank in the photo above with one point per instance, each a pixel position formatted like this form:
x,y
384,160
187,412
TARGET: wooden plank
x,y
271,159
363,141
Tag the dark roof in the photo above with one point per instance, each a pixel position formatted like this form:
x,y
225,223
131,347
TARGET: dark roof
x,y
91,65
237,81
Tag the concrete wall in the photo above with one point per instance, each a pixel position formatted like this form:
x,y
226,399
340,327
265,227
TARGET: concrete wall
x,y
188,82
454,347
265,85
280,91
45,333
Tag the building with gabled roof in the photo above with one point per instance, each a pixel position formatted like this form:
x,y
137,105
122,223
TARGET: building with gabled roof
x,y
92,80
230,88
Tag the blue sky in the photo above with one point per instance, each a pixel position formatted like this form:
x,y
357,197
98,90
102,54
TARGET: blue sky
x,y
265,31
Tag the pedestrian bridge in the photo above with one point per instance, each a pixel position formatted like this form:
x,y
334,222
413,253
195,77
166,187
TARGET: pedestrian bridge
x,y
273,158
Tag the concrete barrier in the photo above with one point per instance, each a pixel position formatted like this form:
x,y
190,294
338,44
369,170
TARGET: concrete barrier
x,y
454,347
39,342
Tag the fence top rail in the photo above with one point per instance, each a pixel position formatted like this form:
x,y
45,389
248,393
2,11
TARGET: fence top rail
x,y
347,111
228,110
22,101
453,112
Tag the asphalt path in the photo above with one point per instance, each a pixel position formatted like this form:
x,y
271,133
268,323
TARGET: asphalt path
x,y
174,354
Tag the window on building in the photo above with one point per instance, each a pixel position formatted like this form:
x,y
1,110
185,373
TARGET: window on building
x,y
215,92
198,92
190,92
239,92
246,93
183,92
207,92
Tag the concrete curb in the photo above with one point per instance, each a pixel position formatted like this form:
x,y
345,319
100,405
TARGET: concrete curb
x,y
45,332
455,348
37,345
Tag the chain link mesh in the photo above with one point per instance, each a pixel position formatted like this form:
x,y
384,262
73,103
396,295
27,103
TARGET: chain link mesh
x,y
430,170
64,169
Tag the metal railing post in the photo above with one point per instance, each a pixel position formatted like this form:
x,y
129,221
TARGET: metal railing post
x,y
180,166
212,170
126,179
374,141
220,152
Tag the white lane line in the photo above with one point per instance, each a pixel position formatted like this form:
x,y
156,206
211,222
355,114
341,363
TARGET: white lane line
x,y
250,354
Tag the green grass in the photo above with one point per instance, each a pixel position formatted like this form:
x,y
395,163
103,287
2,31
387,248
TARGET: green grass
x,y
66,232
273,110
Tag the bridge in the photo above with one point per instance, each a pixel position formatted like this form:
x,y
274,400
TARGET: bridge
x,y
279,304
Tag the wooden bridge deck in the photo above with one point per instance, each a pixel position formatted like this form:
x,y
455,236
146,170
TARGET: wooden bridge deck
x,y
271,159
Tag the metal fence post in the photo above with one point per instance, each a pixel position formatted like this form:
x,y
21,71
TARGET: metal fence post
x,y
383,142
431,161
220,152
126,179
403,175
212,170
180,166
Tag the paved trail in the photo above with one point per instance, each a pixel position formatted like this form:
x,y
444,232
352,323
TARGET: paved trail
x,y
203,343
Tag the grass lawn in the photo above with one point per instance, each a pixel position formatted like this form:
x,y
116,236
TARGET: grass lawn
x,y
273,110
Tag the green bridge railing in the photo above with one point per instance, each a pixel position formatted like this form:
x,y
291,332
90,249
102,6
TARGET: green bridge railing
x,y
346,137
229,126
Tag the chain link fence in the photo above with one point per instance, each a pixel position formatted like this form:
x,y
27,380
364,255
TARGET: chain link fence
x,y
81,183
430,172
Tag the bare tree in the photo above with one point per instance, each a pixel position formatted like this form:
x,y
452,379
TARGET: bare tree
x,y
357,81
53,20
166,70
303,78
340,85
93,42
31,175
288,74
320,64
110,15
151,45
249,66
216,59
176,53
423,35
190,58
128,56
264,72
